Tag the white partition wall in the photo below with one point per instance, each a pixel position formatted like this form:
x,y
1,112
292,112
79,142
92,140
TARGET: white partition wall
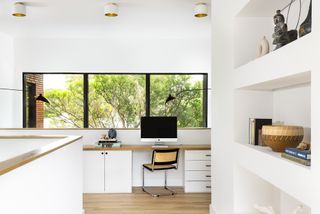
x,y
51,184
282,85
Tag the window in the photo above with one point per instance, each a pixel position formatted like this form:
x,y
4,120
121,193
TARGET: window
x,y
116,100
65,93
189,99
89,100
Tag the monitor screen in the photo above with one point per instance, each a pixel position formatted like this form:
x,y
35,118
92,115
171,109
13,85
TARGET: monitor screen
x,y
159,128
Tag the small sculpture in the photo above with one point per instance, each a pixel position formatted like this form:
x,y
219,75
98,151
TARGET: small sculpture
x,y
281,35
112,133
305,27
263,47
280,30
263,209
303,146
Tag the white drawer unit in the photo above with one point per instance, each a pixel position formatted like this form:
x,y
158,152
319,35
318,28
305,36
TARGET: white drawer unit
x,y
197,186
197,165
198,155
197,173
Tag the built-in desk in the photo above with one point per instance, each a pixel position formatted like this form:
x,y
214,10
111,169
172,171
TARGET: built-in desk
x,y
112,170
132,147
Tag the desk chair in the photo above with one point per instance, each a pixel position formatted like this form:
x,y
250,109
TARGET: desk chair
x,y
162,159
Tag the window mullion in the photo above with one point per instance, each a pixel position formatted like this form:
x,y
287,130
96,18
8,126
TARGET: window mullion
x,y
147,95
85,101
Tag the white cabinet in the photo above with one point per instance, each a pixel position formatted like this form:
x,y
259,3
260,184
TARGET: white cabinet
x,y
93,171
197,173
107,171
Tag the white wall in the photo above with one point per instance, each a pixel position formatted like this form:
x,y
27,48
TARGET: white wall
x,y
287,105
122,54
7,80
6,61
223,104
91,136
113,54
51,184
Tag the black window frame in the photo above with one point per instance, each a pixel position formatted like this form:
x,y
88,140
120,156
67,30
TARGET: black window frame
x,y
147,98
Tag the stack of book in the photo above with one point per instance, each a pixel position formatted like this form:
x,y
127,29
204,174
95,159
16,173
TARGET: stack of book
x,y
108,142
299,156
255,130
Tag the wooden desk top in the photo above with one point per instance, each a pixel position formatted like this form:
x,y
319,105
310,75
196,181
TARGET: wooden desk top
x,y
132,147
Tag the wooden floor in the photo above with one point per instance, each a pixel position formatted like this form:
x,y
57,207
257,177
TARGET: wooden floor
x,y
139,202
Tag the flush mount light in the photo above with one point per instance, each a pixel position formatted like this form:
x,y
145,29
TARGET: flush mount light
x,y
111,10
19,9
201,10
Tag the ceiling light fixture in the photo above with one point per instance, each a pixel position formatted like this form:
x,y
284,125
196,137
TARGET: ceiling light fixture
x,y
19,9
201,10
111,10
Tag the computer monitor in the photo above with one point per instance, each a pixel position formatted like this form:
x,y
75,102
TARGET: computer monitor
x,y
159,129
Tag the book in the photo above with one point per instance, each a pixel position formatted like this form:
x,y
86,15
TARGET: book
x,y
255,130
295,159
304,154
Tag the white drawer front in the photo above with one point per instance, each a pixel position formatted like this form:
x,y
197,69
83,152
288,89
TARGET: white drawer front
x,y
197,175
198,165
197,186
198,155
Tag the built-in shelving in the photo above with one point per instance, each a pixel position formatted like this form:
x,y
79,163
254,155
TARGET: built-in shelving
x,y
277,85
281,68
282,173
255,21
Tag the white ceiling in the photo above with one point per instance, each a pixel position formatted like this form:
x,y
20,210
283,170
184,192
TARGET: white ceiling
x,y
85,18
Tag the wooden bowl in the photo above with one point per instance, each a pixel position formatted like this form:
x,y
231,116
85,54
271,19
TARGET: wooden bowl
x,y
279,137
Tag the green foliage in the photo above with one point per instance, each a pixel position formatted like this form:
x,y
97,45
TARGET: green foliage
x,y
187,106
122,98
119,101
66,108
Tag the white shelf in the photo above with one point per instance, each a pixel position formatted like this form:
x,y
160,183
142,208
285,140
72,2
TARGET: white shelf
x,y
288,176
281,68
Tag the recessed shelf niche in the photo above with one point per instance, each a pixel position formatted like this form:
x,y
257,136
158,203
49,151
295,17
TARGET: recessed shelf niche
x,y
255,20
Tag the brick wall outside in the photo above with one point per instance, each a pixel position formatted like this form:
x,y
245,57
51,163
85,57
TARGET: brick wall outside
x,y
38,80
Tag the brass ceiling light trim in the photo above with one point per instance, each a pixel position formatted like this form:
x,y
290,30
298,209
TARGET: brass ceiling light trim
x,y
111,10
201,10
19,9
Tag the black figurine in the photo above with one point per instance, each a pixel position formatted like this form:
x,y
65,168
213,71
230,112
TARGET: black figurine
x,y
112,134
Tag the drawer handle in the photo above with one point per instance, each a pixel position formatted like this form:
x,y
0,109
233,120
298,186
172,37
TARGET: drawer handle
x,y
208,165
208,176
208,155
208,187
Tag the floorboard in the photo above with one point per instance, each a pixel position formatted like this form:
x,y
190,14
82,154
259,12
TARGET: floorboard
x,y
139,202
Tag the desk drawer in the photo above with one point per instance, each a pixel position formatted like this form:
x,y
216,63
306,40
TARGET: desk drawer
x,y
198,165
197,175
197,186
198,155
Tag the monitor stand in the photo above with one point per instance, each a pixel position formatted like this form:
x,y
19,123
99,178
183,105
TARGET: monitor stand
x,y
159,145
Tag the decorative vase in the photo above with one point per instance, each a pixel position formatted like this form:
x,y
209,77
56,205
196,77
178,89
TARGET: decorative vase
x,y
112,133
278,138
305,27
263,47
